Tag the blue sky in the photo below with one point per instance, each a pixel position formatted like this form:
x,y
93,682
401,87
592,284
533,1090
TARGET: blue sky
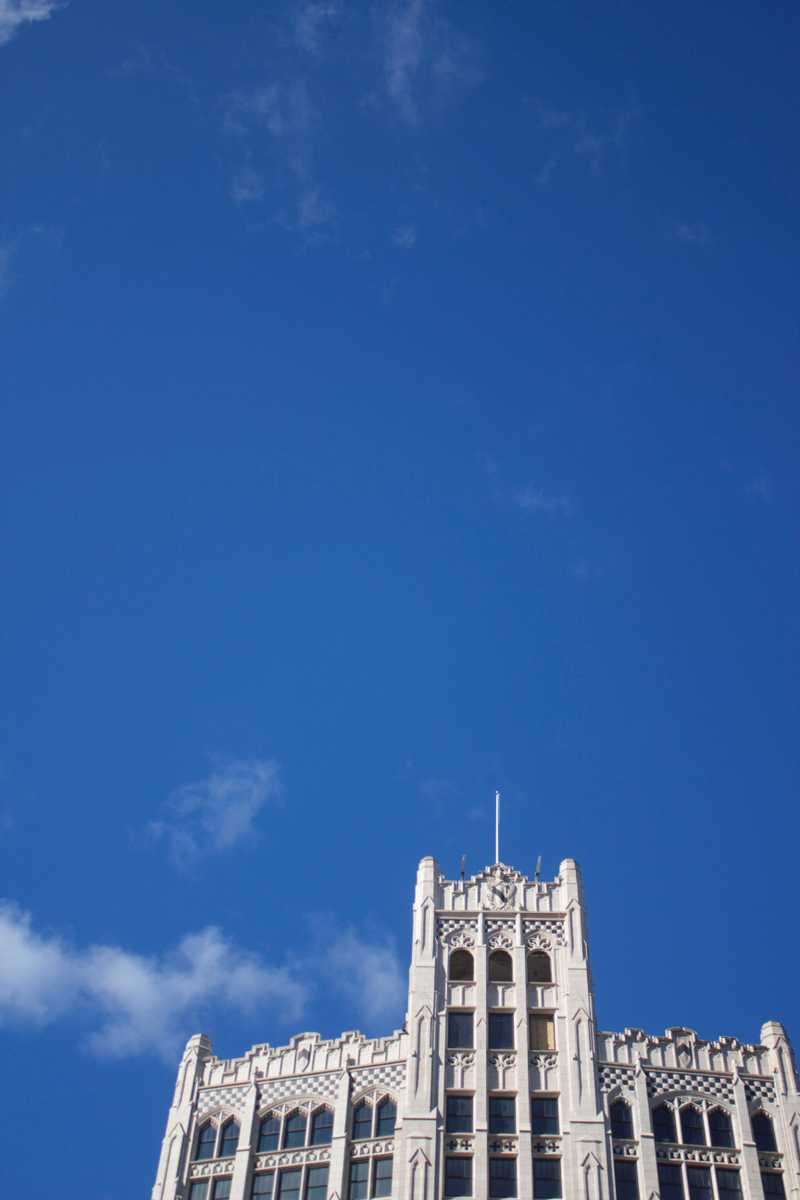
x,y
399,401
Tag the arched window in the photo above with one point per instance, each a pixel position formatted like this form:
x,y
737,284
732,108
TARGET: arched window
x,y
692,1128
362,1121
294,1131
387,1115
206,1141
321,1127
763,1132
230,1139
719,1123
268,1132
461,968
501,969
664,1124
621,1120
539,967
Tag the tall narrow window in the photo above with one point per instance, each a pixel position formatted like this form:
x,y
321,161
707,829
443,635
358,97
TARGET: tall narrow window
x,y
501,968
621,1120
198,1190
459,1030
459,1114
502,1114
544,1114
321,1127
387,1116
294,1130
538,965
547,1178
230,1139
262,1185
543,1032
692,1128
461,968
206,1141
289,1183
721,1129
359,1179
316,1183
670,1184
763,1132
699,1181
457,1177
626,1184
664,1125
729,1184
382,1180
502,1178
501,1031
268,1132
222,1189
362,1121
772,1183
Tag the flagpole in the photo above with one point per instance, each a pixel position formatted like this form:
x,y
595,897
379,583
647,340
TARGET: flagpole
x,y
497,827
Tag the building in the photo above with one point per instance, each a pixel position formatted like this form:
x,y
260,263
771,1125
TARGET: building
x,y
498,1085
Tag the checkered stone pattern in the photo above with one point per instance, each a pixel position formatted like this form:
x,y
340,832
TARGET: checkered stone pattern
x,y
273,1090
225,1099
621,1077
717,1086
759,1089
447,926
385,1075
553,929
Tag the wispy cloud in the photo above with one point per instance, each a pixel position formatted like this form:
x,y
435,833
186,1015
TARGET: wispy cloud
x,y
313,22
760,488
425,60
536,500
695,233
590,141
215,814
16,13
135,1004
368,973
405,237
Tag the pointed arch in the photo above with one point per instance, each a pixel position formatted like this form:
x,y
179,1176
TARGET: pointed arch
x,y
229,1138
720,1127
269,1132
621,1119
763,1131
385,1117
362,1120
663,1118
294,1129
693,1129
321,1129
206,1141
538,966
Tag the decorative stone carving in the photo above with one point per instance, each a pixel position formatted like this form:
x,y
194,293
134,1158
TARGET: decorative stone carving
x,y
461,1142
501,941
543,1059
293,1158
505,1145
543,927
461,937
547,1146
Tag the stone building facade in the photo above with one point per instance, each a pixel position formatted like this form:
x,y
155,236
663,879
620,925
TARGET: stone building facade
x,y
498,1085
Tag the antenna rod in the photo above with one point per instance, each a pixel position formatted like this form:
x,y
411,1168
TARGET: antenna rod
x,y
497,827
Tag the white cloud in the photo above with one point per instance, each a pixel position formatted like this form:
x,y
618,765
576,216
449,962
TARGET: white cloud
x,y
696,233
588,143
536,500
283,109
16,13
368,973
217,813
405,236
247,185
313,21
137,1004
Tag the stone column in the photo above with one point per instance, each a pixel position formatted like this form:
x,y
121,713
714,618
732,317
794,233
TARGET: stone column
x,y
340,1140
174,1147
247,1133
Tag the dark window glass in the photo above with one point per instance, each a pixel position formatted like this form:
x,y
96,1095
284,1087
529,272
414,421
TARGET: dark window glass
x,y
321,1127
502,1178
699,1180
382,1182
289,1183
262,1184
294,1130
359,1180
544,1114
670,1184
387,1115
459,1030
459,1114
316,1183
502,1115
692,1128
230,1139
543,1033
763,1132
458,1177
728,1184
501,1031
625,1182
222,1189
198,1190
539,967
501,968
546,1178
461,968
206,1141
362,1121
664,1124
772,1183
621,1120
720,1126
268,1132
